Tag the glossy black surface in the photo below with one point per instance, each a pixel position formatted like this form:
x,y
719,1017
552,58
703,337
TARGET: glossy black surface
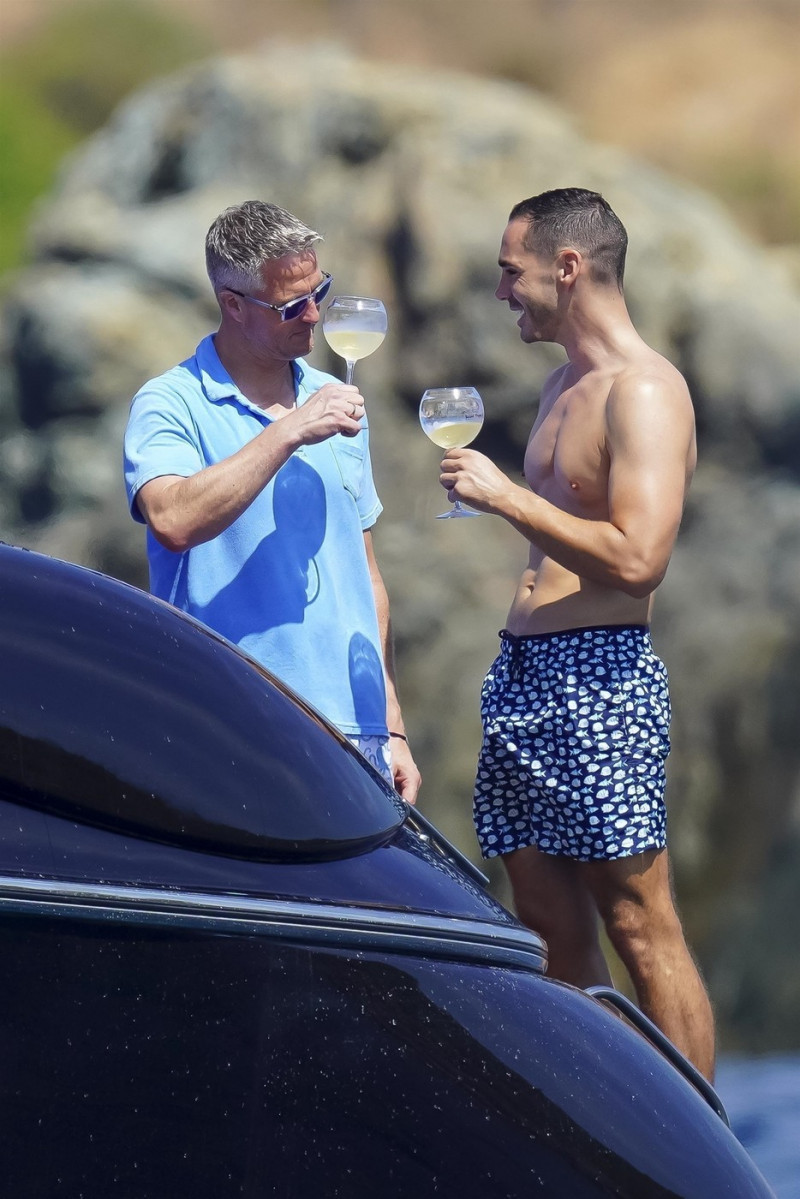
x,y
234,966
179,1062
408,873
122,712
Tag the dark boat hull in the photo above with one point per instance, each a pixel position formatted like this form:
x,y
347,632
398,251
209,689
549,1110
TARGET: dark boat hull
x,y
236,965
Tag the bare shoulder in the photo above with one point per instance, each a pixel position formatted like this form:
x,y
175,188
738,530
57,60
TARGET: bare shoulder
x,y
648,385
650,416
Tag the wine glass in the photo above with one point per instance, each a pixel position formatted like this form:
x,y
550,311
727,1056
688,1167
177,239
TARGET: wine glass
x,y
354,326
452,417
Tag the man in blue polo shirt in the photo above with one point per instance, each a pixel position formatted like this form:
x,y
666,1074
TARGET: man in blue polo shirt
x,y
252,472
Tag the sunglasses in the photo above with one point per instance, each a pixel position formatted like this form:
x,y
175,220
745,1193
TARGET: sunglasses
x,y
293,308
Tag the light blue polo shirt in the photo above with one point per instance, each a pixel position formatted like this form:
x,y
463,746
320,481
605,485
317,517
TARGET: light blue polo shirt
x,y
288,581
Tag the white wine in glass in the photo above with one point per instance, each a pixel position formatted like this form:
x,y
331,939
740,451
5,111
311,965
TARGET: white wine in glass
x,y
354,326
452,417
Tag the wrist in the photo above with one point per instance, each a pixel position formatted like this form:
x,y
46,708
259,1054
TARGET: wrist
x,y
519,506
399,736
285,434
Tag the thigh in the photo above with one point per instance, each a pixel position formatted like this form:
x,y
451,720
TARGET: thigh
x,y
513,807
638,885
551,893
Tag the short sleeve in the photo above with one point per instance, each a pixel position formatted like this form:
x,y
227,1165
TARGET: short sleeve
x,y
160,439
369,505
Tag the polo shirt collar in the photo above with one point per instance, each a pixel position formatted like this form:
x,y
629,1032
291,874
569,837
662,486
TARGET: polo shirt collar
x,y
218,385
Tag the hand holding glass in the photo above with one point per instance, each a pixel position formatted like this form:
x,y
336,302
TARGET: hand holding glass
x,y
452,417
354,327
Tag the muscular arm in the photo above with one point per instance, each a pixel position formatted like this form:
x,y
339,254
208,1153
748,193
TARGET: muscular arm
x,y
650,444
186,511
406,775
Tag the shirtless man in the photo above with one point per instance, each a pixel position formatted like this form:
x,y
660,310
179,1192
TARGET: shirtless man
x,y
575,708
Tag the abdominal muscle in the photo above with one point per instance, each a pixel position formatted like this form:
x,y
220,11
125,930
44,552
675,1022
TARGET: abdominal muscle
x,y
550,599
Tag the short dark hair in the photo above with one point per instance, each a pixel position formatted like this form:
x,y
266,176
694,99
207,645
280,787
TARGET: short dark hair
x,y
575,217
246,236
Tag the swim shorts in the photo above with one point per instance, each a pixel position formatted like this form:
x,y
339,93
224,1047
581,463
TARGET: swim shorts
x,y
575,740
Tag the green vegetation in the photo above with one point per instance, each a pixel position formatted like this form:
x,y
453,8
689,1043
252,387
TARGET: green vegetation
x,y
63,83
32,142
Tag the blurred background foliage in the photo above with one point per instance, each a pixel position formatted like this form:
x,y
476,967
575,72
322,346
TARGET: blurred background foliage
x,y
707,89
60,79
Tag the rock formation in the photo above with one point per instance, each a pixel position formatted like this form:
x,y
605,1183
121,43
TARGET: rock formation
x,y
410,177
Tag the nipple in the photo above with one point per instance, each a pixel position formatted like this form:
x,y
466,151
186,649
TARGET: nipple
x,y
574,486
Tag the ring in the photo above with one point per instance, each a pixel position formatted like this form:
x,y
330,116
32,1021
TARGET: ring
x,y
353,410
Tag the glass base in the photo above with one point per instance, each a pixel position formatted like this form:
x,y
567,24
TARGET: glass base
x,y
457,510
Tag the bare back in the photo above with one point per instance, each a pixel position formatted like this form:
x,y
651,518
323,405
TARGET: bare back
x,y
610,446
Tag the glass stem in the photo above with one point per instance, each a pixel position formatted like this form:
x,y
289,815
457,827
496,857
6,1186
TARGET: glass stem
x,y
351,366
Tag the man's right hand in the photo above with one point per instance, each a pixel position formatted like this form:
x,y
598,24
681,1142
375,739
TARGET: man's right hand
x,y
335,408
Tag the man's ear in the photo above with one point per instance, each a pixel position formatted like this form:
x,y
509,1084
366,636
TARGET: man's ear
x,y
568,266
230,304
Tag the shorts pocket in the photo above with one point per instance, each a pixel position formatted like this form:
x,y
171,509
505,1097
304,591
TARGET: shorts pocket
x,y
647,714
595,713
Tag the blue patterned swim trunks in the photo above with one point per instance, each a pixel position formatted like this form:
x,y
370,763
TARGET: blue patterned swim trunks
x,y
575,740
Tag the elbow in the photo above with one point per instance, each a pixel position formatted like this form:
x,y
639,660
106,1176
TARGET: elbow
x,y
168,519
172,536
639,578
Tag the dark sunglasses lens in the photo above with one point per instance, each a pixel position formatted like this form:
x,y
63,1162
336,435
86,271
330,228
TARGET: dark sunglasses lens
x,y
296,309
299,306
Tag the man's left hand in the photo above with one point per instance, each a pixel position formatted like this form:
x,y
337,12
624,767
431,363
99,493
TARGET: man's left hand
x,y
405,775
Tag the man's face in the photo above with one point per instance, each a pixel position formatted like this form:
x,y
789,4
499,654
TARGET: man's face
x,y
283,279
527,284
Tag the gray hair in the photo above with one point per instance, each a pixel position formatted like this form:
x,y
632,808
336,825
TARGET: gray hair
x,y
243,238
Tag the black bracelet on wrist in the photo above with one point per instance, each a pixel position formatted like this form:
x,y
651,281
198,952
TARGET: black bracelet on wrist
x,y
400,736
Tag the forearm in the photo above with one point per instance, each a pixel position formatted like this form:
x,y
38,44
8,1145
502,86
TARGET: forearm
x,y
394,717
185,512
404,770
598,550
592,549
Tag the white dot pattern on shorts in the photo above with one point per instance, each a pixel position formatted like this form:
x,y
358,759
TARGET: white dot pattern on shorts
x,y
576,735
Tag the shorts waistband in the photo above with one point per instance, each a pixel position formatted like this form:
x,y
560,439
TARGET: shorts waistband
x,y
539,638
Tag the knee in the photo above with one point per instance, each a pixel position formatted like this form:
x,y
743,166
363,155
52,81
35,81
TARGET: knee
x,y
531,912
635,927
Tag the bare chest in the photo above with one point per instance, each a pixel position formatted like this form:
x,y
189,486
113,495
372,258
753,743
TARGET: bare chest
x,y
566,461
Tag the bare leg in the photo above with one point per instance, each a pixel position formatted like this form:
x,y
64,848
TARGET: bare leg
x,y
553,898
634,898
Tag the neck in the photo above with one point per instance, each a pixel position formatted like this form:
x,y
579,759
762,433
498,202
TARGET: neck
x,y
598,335
267,382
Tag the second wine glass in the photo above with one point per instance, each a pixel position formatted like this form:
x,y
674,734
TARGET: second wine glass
x,y
354,326
452,417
